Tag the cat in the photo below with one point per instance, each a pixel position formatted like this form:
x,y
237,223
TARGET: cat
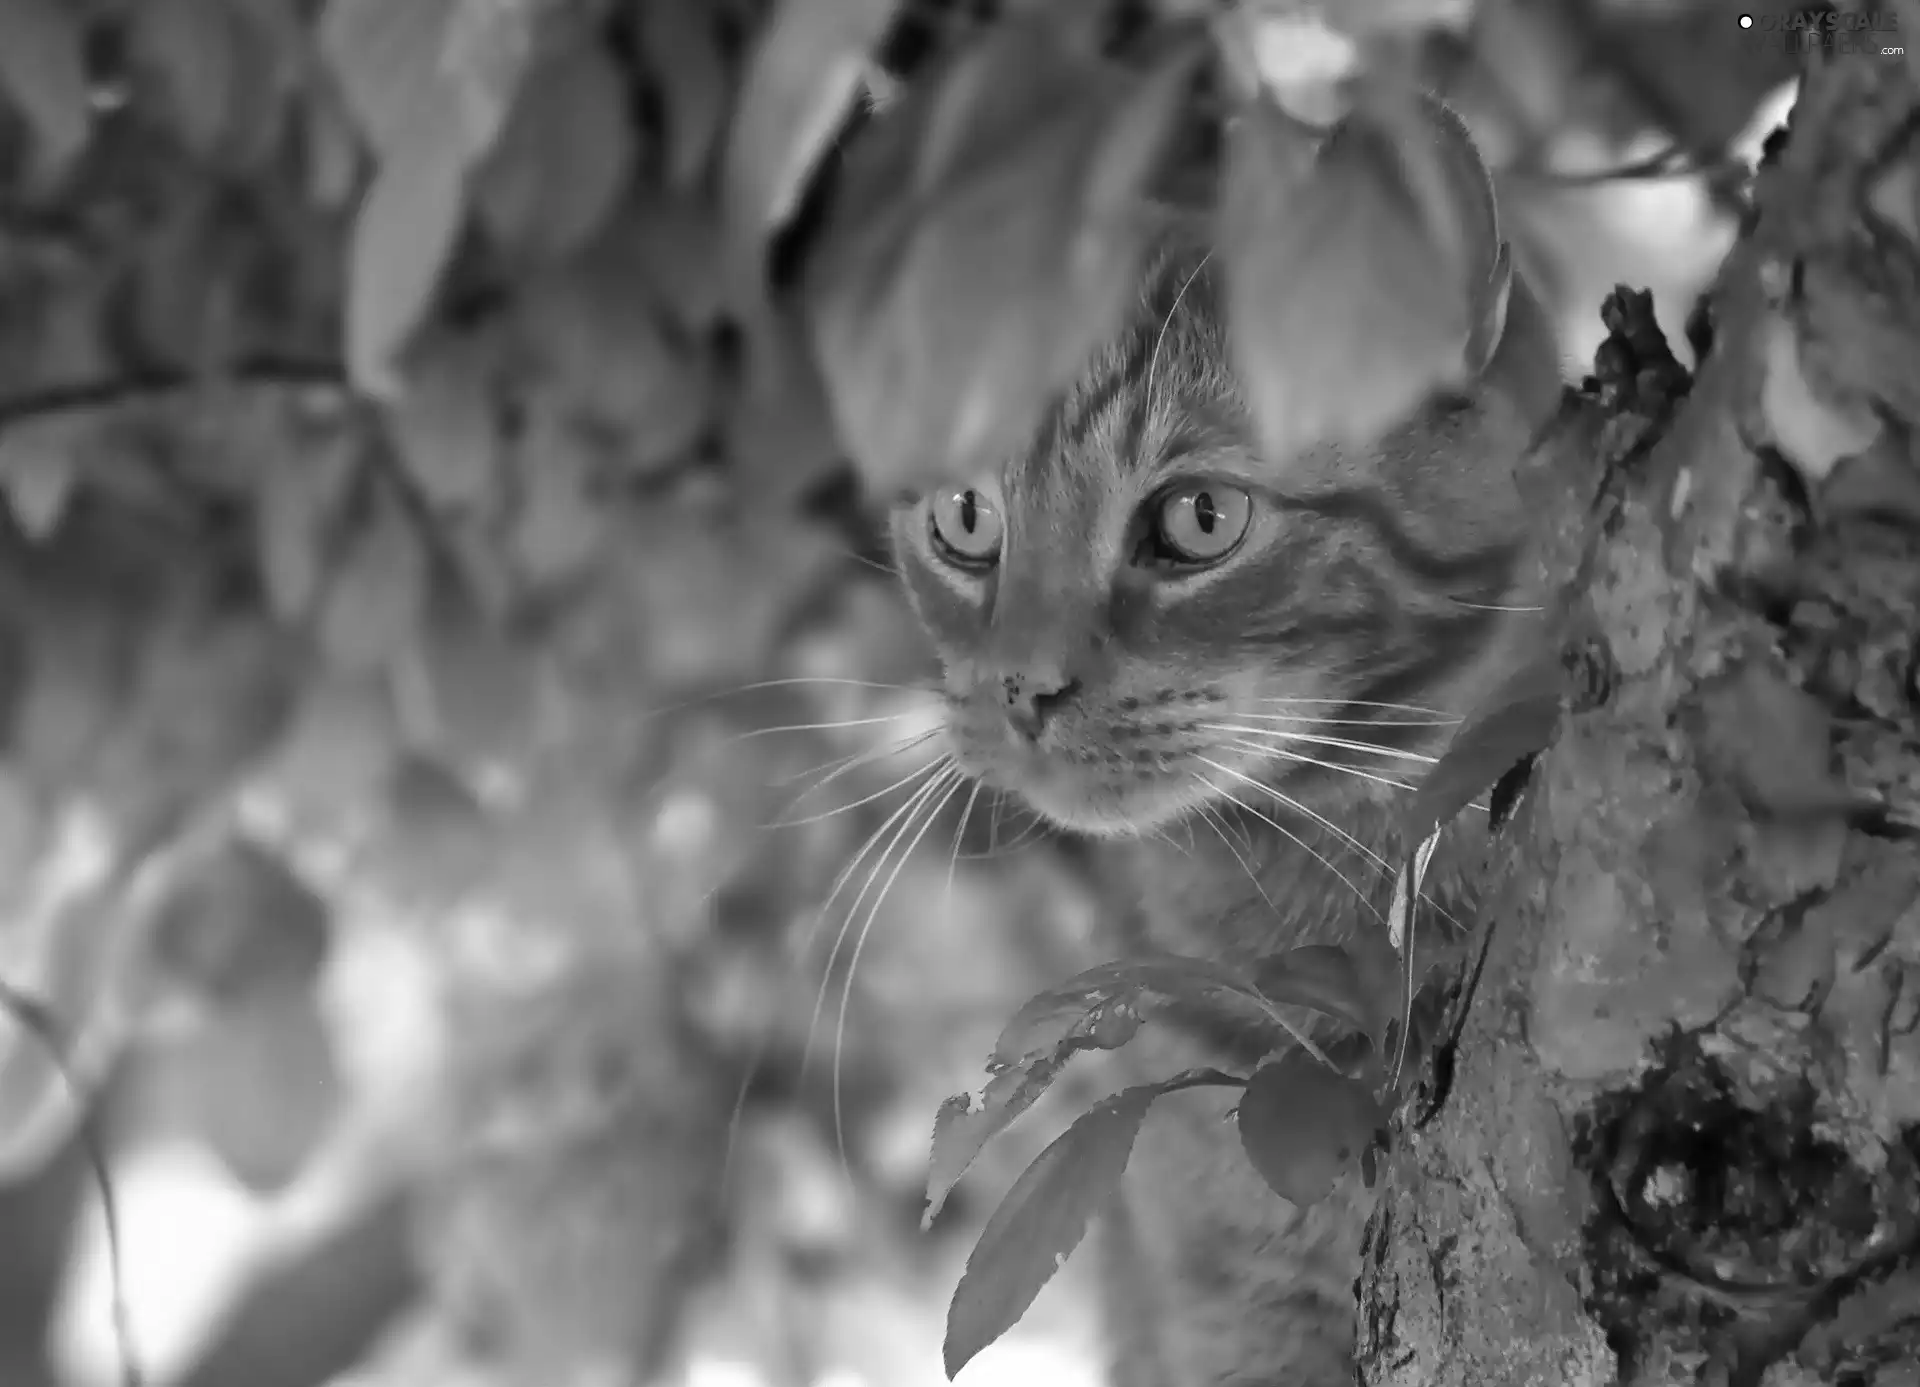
x,y
1128,615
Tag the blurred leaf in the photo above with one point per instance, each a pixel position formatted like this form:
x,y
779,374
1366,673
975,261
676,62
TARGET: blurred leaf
x,y
40,463
946,326
386,59
559,525
1346,314
238,925
445,427
1304,1126
608,359
469,691
43,74
1514,722
564,158
677,239
403,236
373,608
696,87
799,88
330,149
1040,1222
487,48
189,47
295,514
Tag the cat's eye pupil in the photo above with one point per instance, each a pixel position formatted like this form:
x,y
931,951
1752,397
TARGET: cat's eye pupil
x,y
969,512
1204,513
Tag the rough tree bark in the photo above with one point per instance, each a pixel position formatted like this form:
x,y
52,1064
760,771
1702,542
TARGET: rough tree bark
x,y
1677,1138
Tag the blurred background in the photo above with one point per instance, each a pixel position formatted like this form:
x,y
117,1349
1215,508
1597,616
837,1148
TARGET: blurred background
x,y
458,721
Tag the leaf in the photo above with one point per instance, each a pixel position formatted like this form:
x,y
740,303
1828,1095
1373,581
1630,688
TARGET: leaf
x,y
1304,1126
403,236
40,462
444,426
966,1122
43,75
1406,891
295,512
1104,1008
484,58
373,610
1516,721
470,691
564,158
1346,310
1041,1221
560,527
331,151
946,328
696,88
386,60
1073,1013
188,46
799,87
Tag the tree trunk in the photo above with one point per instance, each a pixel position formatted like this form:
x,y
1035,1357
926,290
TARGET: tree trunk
x,y
1676,1140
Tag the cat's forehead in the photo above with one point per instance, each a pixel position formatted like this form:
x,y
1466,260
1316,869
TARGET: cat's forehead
x,y
1161,383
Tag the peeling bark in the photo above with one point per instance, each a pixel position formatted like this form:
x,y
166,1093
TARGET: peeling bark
x,y
1678,1140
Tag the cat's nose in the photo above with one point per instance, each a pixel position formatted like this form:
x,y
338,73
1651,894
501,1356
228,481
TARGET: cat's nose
x,y
1029,701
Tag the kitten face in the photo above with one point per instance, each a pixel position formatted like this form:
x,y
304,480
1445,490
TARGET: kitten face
x,y
1141,616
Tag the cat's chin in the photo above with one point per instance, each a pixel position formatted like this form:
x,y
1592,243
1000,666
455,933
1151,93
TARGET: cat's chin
x,y
1105,814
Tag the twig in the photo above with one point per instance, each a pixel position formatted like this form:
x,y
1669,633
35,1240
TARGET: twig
x,y
33,1018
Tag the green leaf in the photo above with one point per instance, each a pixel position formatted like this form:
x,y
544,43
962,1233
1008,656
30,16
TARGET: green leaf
x,y
1304,1126
373,609
188,47
445,429
1077,1012
683,52
1042,1219
403,235
40,461
386,60
43,75
946,325
800,86
1516,721
488,46
1346,313
295,513
564,158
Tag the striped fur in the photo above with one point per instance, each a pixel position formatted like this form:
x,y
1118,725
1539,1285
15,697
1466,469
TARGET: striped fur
x,y
1368,577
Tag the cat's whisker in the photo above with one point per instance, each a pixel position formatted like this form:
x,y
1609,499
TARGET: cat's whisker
x,y
1491,606
952,779
879,720
1338,743
1166,324
933,773
788,681
1290,802
1266,749
1416,708
1278,827
839,765
1210,817
759,1055
1313,720
862,758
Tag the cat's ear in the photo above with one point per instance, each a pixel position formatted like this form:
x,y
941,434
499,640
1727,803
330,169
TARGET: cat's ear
x,y
1471,217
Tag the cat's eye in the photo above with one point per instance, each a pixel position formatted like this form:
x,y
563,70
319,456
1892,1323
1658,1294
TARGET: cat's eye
x,y
1201,522
966,526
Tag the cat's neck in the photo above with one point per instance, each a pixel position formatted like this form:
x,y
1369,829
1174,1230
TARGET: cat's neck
x,y
1235,882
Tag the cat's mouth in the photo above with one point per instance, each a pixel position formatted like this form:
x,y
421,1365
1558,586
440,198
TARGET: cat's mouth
x,y
1089,799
